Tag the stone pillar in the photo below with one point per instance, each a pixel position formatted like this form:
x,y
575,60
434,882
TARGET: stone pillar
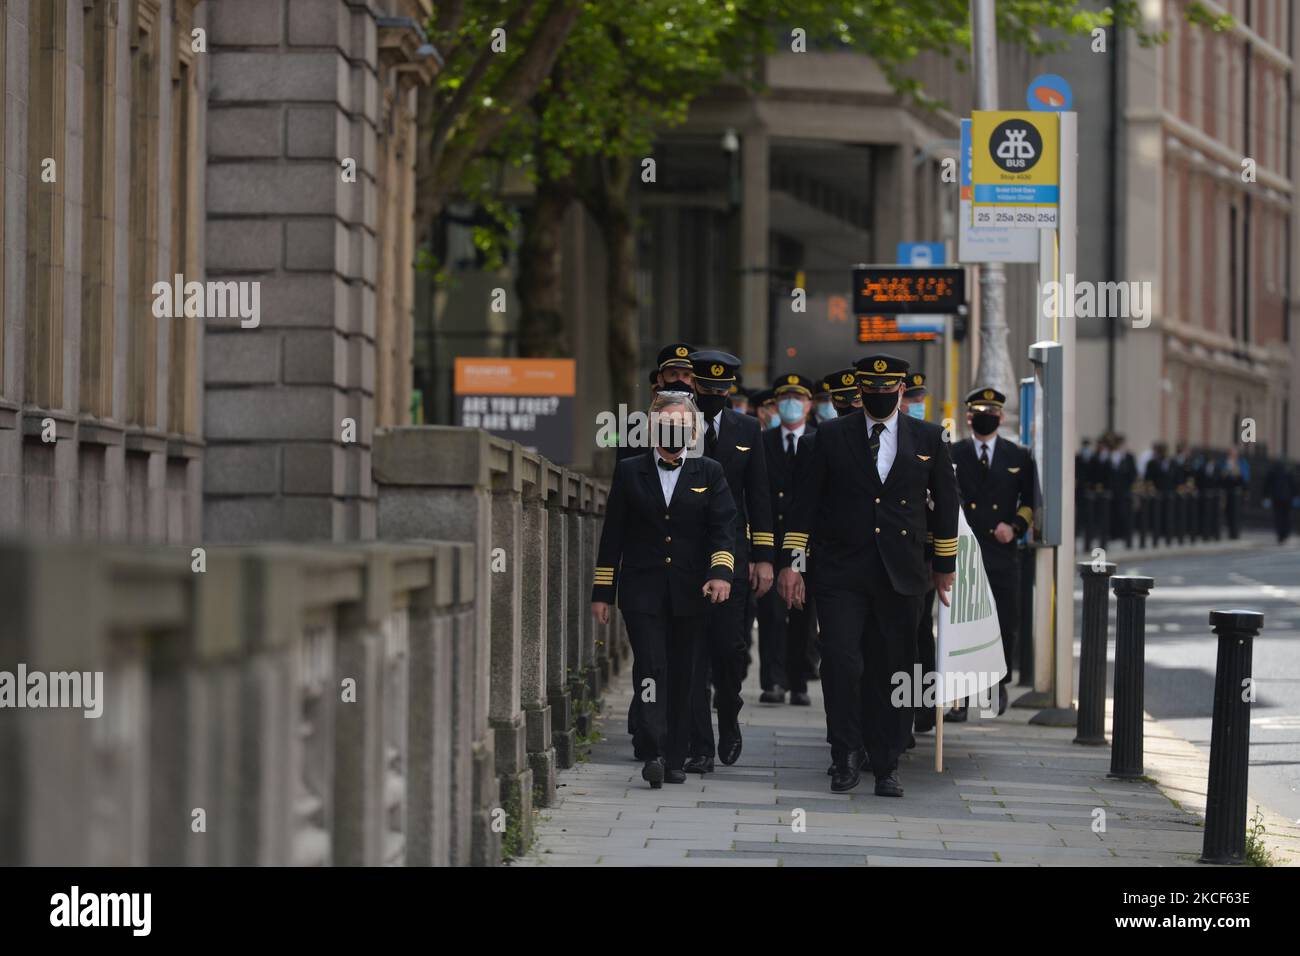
x,y
603,667
579,584
359,777
559,599
434,482
590,542
429,775
505,574
534,573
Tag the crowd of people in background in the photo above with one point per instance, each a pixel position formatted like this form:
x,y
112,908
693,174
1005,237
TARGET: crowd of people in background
x,y
1192,494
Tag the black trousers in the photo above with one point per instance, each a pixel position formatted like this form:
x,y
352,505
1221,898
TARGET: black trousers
x,y
663,654
868,634
720,663
771,640
1004,581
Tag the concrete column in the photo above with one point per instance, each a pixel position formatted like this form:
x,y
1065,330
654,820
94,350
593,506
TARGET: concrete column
x,y
534,572
558,601
754,219
359,805
590,542
579,584
505,574
429,733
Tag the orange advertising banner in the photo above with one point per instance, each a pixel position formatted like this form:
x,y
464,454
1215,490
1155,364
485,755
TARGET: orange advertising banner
x,y
514,376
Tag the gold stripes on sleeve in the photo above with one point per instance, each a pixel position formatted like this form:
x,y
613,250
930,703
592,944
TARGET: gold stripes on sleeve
x,y
764,539
795,541
945,547
604,576
724,559
1026,512
748,536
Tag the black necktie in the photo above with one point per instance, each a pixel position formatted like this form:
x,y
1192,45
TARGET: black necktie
x,y
670,465
710,441
984,455
789,447
876,429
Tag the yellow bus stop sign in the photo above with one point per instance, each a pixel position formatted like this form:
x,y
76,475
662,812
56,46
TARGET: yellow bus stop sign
x,y
1015,169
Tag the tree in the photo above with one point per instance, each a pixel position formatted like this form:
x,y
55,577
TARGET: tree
x,y
496,54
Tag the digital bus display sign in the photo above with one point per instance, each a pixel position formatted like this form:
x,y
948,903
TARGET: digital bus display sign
x,y
890,328
900,290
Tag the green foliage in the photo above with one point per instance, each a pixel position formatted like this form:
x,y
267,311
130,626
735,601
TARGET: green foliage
x,y
1257,851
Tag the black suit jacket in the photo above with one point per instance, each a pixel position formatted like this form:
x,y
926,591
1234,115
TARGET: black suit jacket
x,y
841,508
1004,494
781,475
740,453
652,554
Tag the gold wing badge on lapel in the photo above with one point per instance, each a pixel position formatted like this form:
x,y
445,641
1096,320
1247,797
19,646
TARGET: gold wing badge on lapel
x,y
700,491
923,457
1013,471
743,447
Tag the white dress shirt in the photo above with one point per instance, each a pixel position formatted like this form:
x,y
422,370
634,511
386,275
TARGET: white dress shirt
x,y
888,444
992,442
796,432
667,478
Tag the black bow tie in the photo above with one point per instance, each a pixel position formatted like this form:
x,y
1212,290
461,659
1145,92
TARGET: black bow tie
x,y
669,465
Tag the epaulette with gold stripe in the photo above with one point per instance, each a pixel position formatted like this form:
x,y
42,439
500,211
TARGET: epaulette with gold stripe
x,y
945,547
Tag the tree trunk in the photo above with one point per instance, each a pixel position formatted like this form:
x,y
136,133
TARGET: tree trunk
x,y
541,325
605,191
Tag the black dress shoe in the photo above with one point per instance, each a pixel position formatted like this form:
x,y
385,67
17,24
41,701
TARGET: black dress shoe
x,y
848,774
774,696
888,786
799,699
955,716
729,746
1002,699
923,722
700,765
653,773
674,776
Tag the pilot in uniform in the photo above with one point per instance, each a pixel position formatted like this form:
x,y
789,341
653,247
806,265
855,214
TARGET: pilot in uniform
x,y
996,477
666,553
860,509
734,440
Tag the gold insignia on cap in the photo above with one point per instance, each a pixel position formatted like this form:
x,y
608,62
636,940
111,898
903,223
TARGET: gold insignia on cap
x,y
880,365
988,393
682,351
792,379
846,378
916,379
717,369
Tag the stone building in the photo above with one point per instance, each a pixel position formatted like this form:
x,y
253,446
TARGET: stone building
x,y
263,147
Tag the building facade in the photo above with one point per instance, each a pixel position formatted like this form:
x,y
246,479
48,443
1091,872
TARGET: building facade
x,y
207,277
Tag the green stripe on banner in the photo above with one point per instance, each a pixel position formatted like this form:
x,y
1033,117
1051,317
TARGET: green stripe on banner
x,y
972,650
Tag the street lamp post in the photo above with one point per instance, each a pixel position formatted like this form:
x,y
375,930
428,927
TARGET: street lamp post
x,y
995,366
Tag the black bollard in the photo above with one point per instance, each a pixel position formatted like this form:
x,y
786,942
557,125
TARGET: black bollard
x,y
1225,803
1130,661
1092,653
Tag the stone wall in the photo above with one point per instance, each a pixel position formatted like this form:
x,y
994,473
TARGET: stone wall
x,y
396,702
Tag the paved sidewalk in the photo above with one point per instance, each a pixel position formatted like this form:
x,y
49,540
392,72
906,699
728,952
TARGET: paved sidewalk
x,y
1010,795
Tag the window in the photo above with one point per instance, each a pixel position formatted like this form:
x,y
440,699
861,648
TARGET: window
x,y
99,32
142,218
45,139
182,406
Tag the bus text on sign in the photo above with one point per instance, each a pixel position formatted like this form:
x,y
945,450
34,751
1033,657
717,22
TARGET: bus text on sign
x,y
889,328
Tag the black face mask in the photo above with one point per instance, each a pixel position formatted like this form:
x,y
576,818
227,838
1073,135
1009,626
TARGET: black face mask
x,y
880,405
984,423
842,410
710,405
672,437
